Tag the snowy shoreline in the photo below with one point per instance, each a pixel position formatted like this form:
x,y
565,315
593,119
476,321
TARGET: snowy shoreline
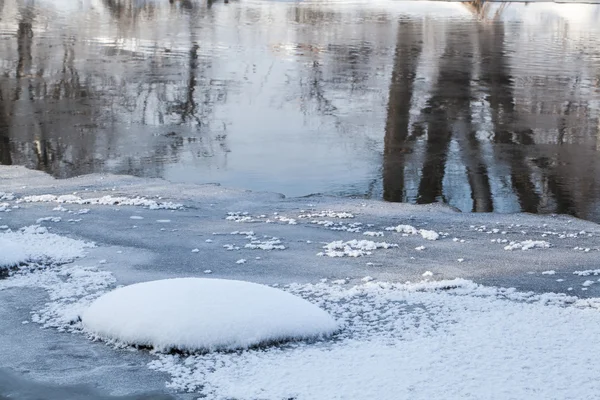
x,y
351,257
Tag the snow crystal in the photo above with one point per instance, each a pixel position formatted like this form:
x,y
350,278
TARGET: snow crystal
x,y
192,314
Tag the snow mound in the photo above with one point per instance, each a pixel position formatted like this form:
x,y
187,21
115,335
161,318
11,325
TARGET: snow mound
x,y
191,314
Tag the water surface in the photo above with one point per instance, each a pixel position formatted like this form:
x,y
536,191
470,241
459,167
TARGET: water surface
x,y
486,108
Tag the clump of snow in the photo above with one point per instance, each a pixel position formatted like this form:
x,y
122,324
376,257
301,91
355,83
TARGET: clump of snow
x,y
239,217
327,214
269,244
429,235
550,272
241,261
371,233
408,229
527,245
587,272
6,196
105,200
48,219
427,273
191,314
35,244
411,230
353,248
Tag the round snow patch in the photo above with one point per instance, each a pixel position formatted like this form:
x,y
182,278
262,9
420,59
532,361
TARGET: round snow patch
x,y
191,314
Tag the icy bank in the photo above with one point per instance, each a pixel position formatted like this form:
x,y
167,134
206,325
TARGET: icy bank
x,y
204,314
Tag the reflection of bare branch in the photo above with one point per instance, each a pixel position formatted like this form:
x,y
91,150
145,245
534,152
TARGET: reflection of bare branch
x,y
24,43
408,49
496,77
450,100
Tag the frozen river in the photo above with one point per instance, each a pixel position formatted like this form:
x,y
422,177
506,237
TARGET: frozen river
x,y
352,257
309,115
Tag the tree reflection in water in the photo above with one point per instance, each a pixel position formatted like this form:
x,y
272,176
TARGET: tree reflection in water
x,y
464,110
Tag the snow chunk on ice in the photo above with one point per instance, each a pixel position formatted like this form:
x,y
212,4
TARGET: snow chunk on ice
x,y
105,200
527,244
192,314
429,235
587,272
411,230
353,248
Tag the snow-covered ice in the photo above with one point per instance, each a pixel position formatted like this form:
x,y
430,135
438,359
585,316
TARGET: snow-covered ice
x,y
191,314
395,340
36,244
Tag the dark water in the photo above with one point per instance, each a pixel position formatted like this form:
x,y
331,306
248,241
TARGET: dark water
x,y
487,108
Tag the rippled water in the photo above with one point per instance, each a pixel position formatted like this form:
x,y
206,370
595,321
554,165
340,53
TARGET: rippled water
x,y
486,108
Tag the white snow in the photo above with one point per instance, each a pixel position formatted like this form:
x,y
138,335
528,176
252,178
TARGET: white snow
x,y
35,244
48,219
353,248
429,235
587,272
105,200
527,245
411,230
372,233
204,314
328,214
550,272
437,340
